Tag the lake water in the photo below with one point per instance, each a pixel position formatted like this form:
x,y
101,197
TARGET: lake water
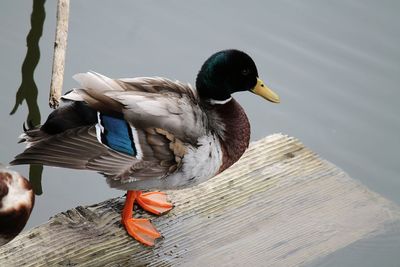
x,y
335,64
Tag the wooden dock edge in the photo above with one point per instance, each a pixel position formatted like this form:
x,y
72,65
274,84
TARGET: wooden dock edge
x,y
280,205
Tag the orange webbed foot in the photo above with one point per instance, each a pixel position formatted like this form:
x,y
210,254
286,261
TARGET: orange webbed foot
x,y
154,202
142,230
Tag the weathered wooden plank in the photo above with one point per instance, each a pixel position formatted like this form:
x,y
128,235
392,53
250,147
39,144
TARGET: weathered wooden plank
x,y
280,205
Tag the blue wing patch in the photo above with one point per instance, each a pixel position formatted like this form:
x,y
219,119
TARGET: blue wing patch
x,y
116,133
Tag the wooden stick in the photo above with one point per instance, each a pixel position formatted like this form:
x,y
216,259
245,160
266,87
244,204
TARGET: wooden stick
x,y
279,205
60,46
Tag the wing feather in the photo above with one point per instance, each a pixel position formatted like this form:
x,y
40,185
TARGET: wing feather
x,y
76,148
146,103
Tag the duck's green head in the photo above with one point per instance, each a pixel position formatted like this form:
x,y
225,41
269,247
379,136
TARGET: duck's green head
x,y
230,71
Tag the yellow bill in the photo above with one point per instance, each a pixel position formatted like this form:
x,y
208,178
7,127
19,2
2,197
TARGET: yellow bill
x,y
262,90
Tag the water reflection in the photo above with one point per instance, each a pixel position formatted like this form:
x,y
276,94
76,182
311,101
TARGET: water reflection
x,y
28,90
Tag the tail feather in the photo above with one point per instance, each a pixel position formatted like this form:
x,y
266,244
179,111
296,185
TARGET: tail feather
x,y
32,136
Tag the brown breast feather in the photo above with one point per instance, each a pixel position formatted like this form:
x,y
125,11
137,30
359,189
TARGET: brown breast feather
x,y
236,134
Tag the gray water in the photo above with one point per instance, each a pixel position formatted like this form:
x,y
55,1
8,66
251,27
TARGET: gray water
x,y
335,64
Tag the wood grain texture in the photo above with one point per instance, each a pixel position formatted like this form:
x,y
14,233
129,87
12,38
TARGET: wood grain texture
x,y
60,46
280,205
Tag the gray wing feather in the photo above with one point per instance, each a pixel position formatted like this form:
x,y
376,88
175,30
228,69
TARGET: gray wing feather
x,y
77,148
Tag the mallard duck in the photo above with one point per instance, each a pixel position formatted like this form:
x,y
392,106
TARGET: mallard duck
x,y
151,133
16,203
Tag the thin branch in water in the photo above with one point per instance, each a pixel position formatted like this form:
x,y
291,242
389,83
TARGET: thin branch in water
x,y
60,46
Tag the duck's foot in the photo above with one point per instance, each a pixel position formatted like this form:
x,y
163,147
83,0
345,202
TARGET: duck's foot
x,y
142,230
154,202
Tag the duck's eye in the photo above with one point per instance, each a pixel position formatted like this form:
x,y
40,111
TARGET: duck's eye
x,y
245,72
